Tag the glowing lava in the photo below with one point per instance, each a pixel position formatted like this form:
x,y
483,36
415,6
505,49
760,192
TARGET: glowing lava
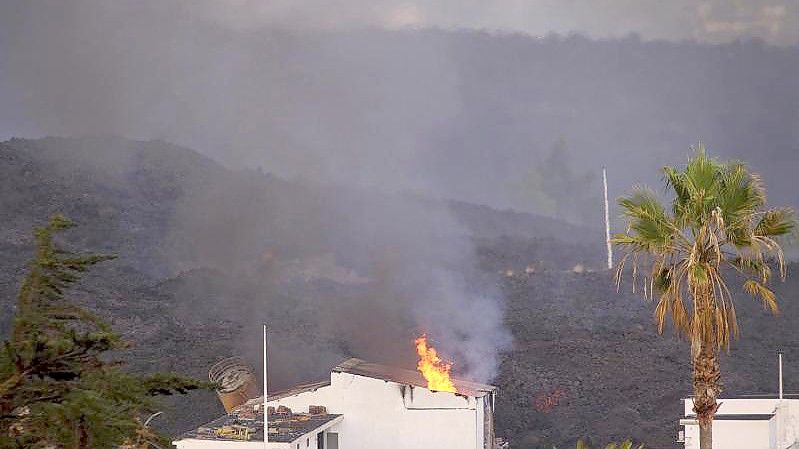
x,y
435,370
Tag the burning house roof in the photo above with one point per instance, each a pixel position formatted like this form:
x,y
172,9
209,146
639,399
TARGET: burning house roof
x,y
404,376
373,400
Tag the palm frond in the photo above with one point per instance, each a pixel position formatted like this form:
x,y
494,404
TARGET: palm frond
x,y
676,180
650,228
701,183
766,295
776,223
717,219
749,266
740,197
773,248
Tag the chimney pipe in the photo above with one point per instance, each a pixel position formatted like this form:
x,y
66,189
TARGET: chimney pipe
x,y
237,382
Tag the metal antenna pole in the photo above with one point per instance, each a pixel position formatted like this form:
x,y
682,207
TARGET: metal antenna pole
x,y
607,218
266,413
779,356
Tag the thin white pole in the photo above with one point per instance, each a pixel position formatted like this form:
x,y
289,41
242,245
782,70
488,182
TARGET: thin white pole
x,y
779,354
266,413
607,218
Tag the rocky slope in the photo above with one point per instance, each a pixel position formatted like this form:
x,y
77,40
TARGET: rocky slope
x,y
207,254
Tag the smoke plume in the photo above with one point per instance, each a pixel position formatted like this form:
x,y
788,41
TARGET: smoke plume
x,y
372,105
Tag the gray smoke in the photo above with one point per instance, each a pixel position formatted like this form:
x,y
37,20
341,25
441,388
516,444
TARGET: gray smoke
x,y
406,266
466,115
365,94
246,96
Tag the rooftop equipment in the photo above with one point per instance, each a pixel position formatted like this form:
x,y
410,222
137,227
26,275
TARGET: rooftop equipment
x,y
236,382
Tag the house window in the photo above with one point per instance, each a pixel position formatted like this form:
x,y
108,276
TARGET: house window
x,y
331,441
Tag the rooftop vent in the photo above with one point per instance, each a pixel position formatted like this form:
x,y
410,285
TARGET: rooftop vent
x,y
236,382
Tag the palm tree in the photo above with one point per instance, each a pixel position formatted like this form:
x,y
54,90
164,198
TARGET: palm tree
x,y
718,227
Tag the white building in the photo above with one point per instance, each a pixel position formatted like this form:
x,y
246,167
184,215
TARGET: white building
x,y
243,429
363,406
751,423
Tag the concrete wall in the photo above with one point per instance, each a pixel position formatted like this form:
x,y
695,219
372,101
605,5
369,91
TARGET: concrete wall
x,y
733,435
740,406
300,444
387,415
779,432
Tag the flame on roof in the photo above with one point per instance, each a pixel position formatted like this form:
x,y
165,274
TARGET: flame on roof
x,y
408,377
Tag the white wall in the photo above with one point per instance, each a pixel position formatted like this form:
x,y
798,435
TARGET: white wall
x,y
732,435
305,442
300,444
779,432
740,406
377,415
786,427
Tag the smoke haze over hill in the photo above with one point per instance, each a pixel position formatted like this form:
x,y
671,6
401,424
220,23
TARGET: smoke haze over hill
x,y
462,114
372,165
506,120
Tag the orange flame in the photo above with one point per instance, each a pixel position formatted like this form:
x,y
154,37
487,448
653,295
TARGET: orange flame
x,y
435,370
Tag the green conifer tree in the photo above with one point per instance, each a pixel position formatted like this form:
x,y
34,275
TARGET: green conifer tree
x,y
59,385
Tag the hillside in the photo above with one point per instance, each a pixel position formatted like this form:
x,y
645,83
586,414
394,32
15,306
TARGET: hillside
x,y
460,114
595,352
206,254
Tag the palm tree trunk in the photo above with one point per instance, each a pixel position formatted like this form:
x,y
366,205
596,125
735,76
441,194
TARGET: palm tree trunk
x,y
706,436
706,392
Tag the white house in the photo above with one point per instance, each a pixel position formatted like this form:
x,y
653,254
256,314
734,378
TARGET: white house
x,y
363,406
752,423
243,429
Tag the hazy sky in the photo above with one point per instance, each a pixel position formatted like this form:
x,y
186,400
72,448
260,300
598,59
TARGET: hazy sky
x,y
316,88
713,21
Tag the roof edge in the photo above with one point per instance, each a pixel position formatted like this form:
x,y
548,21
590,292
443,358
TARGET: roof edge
x,y
372,370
